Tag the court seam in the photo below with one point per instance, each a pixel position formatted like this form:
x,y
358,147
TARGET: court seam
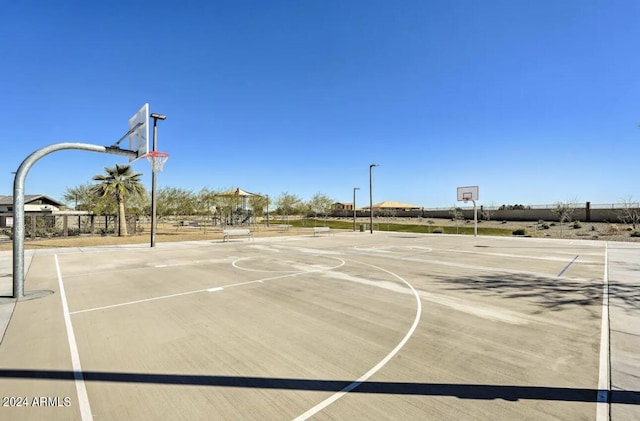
x,y
568,266
81,390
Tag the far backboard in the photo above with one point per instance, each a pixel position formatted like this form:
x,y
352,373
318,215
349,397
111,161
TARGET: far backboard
x,y
139,138
468,193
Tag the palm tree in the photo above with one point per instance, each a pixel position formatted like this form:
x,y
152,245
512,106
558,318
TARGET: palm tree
x,y
120,182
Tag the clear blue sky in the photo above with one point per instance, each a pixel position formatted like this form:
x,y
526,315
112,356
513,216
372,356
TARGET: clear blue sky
x,y
534,101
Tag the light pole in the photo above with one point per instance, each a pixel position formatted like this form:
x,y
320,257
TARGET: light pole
x,y
371,197
155,118
267,211
354,207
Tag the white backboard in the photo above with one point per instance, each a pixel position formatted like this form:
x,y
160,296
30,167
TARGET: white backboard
x,y
468,193
139,139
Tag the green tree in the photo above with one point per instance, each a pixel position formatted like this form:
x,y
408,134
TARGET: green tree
x,y
258,203
139,204
320,204
119,182
80,197
286,204
456,215
564,212
83,197
175,201
206,204
630,213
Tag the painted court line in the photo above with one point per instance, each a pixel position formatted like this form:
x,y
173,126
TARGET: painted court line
x,y
205,289
81,390
604,376
139,301
331,399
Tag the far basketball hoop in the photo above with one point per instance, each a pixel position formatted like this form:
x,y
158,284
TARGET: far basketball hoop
x,y
468,193
157,160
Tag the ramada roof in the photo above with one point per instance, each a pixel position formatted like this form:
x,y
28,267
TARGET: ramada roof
x,y
236,191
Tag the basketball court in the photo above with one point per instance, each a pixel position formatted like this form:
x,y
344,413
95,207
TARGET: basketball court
x,y
345,326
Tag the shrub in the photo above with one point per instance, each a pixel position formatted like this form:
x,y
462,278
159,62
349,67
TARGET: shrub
x,y
71,232
577,224
614,229
635,234
593,228
519,231
438,230
553,224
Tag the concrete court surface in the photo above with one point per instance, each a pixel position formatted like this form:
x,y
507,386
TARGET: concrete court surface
x,y
345,326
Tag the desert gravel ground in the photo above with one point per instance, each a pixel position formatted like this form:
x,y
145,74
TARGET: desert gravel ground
x,y
170,233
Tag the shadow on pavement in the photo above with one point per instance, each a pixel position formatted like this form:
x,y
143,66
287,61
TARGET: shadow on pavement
x,y
551,293
462,391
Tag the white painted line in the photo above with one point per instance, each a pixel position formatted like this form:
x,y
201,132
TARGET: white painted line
x,y
215,289
331,399
604,376
235,265
288,273
138,301
342,262
81,390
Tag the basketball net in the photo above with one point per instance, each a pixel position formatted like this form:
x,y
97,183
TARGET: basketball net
x,y
157,160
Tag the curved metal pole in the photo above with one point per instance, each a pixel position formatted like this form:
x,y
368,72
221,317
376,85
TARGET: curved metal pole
x,y
18,201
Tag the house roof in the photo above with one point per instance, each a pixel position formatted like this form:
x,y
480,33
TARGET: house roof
x,y
390,204
237,191
28,198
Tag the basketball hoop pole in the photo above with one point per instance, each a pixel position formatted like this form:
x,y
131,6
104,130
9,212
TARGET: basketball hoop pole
x,y
470,193
18,201
475,219
155,117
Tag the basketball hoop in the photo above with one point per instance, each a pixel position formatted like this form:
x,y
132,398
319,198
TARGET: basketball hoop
x,y
157,160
